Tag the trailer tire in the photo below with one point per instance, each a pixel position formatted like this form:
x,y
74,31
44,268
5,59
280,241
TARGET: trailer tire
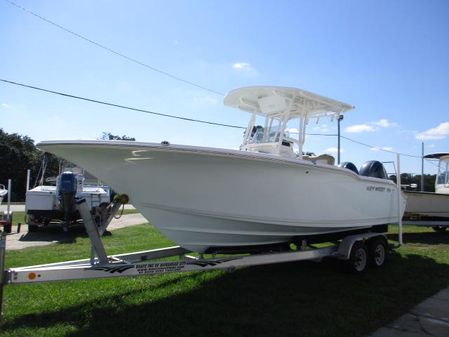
x,y
358,259
32,228
378,251
439,229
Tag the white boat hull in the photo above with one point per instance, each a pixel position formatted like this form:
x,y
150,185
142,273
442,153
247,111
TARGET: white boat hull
x,y
203,197
427,205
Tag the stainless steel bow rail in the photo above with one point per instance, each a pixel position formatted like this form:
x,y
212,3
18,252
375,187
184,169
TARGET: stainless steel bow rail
x,y
358,249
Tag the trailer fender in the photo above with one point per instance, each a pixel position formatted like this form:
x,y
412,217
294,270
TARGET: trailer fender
x,y
344,248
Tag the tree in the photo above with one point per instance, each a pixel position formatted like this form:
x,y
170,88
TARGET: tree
x,y
110,136
407,179
17,155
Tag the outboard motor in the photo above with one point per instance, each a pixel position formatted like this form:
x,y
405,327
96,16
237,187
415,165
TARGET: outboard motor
x,y
373,168
350,166
66,192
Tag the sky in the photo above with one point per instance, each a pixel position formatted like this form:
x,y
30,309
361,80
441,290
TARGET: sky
x,y
388,58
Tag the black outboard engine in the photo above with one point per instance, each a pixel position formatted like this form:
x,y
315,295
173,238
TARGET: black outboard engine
x,y
350,166
373,168
66,192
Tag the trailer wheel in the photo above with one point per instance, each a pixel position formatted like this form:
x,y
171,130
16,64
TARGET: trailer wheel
x,y
31,220
358,259
378,251
33,228
439,228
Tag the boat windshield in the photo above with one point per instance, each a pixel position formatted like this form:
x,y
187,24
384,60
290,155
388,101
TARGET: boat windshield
x,y
269,134
443,174
273,133
257,134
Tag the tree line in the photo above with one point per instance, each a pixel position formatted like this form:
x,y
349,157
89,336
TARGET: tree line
x,y
409,181
18,154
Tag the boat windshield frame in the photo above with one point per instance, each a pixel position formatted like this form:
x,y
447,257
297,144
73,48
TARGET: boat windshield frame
x,y
442,178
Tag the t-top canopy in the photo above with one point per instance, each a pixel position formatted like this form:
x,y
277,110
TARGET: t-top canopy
x,y
273,101
437,155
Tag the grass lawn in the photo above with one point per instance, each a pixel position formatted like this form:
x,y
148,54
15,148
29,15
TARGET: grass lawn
x,y
20,216
292,299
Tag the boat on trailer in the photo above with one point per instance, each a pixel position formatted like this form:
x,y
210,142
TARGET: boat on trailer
x,y
255,200
266,194
3,192
428,208
45,203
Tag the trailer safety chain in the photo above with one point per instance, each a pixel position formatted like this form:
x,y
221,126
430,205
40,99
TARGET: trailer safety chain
x,y
122,199
121,212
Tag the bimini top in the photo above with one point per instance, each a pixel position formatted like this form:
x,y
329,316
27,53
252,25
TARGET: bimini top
x,y
274,101
437,155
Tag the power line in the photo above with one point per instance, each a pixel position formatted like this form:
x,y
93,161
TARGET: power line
x,y
322,134
431,161
121,106
97,44
183,118
379,148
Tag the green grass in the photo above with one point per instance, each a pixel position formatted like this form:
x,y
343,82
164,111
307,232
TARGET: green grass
x,y
293,299
18,217
130,211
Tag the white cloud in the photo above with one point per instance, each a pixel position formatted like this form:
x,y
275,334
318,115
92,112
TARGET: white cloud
x,y
385,123
439,132
5,105
358,128
333,150
242,66
321,128
382,148
292,130
371,126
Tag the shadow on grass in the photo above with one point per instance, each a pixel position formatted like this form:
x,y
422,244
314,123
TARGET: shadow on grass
x,y
55,233
429,238
294,299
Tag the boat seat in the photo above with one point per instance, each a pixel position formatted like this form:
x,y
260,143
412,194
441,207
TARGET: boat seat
x,y
321,159
350,166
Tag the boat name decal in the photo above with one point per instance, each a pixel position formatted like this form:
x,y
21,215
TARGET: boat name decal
x,y
378,189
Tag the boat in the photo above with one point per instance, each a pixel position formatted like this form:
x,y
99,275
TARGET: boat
x,y
266,194
3,192
55,201
429,208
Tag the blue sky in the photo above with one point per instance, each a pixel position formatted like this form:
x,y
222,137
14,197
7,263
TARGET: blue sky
x,y
390,59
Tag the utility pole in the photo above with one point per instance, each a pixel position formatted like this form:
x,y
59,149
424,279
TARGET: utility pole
x,y
422,166
339,119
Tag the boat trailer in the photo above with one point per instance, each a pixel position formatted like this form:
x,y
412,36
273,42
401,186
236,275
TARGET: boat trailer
x,y
359,250
142,263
